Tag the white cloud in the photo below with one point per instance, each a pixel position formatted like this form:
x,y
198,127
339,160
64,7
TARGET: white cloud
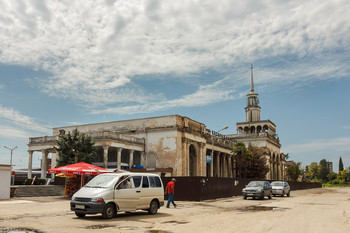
x,y
334,145
13,133
21,120
95,50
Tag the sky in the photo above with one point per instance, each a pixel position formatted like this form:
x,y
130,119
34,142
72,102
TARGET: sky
x,y
78,62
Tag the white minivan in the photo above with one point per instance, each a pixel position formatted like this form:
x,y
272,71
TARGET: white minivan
x,y
112,192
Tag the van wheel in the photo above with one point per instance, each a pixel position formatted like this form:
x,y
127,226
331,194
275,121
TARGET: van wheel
x,y
153,207
80,215
109,211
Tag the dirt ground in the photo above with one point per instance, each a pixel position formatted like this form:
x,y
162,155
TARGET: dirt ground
x,y
315,210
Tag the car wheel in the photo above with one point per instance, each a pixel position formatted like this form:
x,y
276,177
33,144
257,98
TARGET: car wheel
x,y
282,194
153,207
262,196
288,194
109,211
80,215
245,197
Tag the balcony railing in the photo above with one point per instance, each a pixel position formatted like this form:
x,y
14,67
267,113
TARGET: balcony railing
x,y
94,135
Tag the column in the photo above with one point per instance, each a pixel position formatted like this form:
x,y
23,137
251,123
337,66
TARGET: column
x,y
53,159
119,157
218,162
185,158
30,163
105,156
131,159
43,164
268,175
229,166
143,159
224,165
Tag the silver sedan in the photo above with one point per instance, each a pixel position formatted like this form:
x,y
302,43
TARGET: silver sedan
x,y
280,188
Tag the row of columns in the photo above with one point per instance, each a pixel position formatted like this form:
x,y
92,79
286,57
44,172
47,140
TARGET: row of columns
x,y
45,153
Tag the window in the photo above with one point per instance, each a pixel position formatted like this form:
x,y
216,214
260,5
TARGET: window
x,y
154,181
137,181
145,183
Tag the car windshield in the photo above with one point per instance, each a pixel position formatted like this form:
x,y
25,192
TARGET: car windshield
x,y
101,181
276,183
256,184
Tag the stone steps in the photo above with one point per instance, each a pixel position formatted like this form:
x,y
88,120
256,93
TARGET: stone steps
x,y
39,190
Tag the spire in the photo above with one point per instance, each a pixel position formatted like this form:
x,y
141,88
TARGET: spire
x,y
251,80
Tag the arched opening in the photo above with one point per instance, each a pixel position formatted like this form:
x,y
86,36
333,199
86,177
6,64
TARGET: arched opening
x,y
246,130
266,129
252,130
259,129
193,161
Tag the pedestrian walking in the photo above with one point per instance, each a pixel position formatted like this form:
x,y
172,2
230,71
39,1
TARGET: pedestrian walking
x,y
170,190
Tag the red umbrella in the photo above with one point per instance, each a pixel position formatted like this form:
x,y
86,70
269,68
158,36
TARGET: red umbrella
x,y
79,169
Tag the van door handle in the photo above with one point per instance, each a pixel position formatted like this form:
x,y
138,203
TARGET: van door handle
x,y
138,191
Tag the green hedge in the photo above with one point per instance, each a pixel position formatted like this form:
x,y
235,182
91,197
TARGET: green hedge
x,y
38,181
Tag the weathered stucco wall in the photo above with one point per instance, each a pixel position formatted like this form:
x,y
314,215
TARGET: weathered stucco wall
x,y
5,180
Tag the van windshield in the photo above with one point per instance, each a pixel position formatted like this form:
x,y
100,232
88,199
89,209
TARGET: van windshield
x,y
101,181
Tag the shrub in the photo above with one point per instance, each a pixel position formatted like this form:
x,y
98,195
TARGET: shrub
x,y
38,181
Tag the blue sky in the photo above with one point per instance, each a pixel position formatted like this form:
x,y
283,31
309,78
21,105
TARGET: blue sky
x,y
77,62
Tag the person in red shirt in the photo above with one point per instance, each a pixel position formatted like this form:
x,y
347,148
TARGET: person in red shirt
x,y
170,190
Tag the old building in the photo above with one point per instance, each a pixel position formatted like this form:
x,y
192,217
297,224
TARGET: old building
x,y
173,144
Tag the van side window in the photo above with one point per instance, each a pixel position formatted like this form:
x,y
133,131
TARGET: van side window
x,y
154,181
145,183
137,181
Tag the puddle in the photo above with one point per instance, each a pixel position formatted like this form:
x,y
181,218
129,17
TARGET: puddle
x,y
157,231
177,222
99,226
18,230
260,208
128,228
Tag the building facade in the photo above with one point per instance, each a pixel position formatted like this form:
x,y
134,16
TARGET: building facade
x,y
172,143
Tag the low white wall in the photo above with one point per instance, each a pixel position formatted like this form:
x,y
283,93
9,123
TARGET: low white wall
x,y
5,180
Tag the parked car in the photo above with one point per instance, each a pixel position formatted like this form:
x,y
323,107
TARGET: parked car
x,y
280,188
112,192
259,189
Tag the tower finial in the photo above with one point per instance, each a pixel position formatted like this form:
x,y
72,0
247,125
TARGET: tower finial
x,y
251,80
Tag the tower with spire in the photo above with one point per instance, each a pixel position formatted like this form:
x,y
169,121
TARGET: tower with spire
x,y
252,111
260,133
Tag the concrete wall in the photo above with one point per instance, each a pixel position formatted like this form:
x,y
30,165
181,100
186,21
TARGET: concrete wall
x,y
5,181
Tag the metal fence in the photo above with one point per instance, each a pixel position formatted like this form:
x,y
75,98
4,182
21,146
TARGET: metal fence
x,y
206,188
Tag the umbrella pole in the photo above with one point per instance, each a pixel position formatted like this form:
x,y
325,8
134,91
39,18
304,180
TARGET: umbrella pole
x,y
81,182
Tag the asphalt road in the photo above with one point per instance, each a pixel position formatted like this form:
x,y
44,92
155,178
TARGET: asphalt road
x,y
315,210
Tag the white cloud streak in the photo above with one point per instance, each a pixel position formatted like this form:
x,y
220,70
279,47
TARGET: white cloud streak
x,y
322,146
21,120
96,50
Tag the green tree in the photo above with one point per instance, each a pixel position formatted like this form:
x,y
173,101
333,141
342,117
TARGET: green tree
x,y
257,166
313,170
294,171
75,147
242,155
332,176
323,170
341,165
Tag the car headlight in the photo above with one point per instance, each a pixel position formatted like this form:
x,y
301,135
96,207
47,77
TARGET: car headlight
x,y
97,199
